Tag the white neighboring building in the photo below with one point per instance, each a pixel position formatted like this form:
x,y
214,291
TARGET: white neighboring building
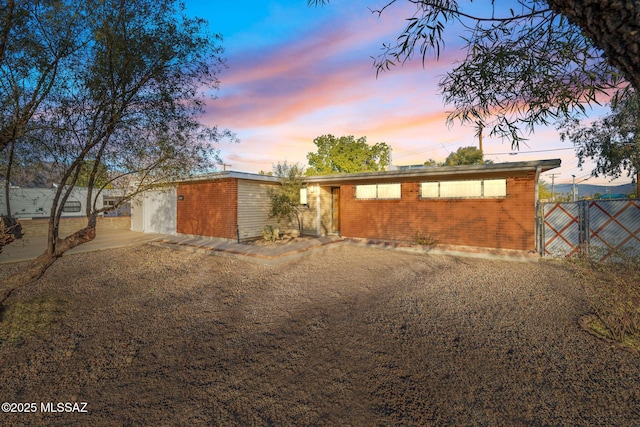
x,y
155,211
33,203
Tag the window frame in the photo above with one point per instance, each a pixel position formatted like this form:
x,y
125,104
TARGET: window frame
x,y
495,194
377,191
72,206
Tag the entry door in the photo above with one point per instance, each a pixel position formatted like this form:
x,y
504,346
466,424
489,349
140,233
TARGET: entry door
x,y
335,209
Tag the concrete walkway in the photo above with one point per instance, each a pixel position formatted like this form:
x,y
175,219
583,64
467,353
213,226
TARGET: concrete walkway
x,y
30,248
268,254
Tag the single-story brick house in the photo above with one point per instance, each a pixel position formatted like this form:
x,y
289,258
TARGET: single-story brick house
x,y
488,206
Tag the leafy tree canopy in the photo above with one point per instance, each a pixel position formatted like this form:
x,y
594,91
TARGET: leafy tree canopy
x,y
544,193
528,62
105,84
88,177
613,142
285,199
466,156
347,155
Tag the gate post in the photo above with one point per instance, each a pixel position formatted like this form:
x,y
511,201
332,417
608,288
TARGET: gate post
x,y
583,226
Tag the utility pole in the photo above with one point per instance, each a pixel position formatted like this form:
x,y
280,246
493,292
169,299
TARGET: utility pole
x,y
573,189
553,182
224,166
480,127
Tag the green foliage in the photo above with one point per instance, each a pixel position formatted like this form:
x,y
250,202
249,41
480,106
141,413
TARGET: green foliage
x,y
526,66
107,90
285,199
613,293
347,155
38,39
613,142
431,163
544,193
466,156
271,233
92,175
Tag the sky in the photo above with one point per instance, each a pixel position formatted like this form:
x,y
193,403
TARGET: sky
x,y
296,72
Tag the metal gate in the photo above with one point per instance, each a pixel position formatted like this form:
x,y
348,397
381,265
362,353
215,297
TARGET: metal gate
x,y
605,226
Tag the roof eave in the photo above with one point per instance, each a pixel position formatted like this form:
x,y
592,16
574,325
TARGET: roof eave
x,y
526,166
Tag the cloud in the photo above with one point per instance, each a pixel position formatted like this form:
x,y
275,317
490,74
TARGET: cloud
x,y
327,67
279,96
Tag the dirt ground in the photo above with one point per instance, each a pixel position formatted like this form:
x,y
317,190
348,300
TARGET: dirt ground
x,y
348,336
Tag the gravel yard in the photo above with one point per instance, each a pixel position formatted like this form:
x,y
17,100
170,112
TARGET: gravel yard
x,y
347,336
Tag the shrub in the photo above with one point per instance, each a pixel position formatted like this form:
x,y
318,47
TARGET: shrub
x,y
271,233
422,239
612,287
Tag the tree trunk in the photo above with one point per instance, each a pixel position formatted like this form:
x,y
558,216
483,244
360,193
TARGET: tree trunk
x,y
39,266
613,26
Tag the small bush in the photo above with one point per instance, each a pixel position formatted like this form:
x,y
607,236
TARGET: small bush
x,y
422,239
271,233
613,289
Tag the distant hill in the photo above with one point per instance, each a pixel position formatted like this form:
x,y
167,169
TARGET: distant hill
x,y
34,176
588,190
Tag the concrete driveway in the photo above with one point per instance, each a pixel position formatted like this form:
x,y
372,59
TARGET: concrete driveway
x,y
29,248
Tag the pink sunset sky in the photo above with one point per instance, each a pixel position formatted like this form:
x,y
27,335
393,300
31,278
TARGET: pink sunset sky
x,y
297,72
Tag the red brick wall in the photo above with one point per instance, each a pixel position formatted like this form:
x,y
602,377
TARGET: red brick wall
x,y
506,223
208,208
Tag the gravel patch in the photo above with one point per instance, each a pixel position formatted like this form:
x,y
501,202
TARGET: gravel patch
x,y
350,336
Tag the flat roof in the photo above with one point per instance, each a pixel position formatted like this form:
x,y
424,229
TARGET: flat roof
x,y
232,174
427,172
424,172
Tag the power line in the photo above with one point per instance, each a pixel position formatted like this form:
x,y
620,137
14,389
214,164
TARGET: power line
x,y
511,153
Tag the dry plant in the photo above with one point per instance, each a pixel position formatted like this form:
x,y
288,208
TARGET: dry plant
x,y
424,239
271,233
613,289
24,318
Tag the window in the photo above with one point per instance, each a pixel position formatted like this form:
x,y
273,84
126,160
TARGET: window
x,y
495,188
430,190
487,188
389,191
461,189
378,191
303,196
72,206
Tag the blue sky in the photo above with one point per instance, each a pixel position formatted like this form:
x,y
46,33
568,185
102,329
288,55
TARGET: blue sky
x,y
297,72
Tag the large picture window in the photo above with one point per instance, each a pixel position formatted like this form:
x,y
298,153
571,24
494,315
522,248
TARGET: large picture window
x,y
481,188
378,191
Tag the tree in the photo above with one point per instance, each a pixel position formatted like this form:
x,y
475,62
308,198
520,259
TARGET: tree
x,y
285,199
536,63
543,191
88,177
466,156
36,39
613,141
130,103
347,155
